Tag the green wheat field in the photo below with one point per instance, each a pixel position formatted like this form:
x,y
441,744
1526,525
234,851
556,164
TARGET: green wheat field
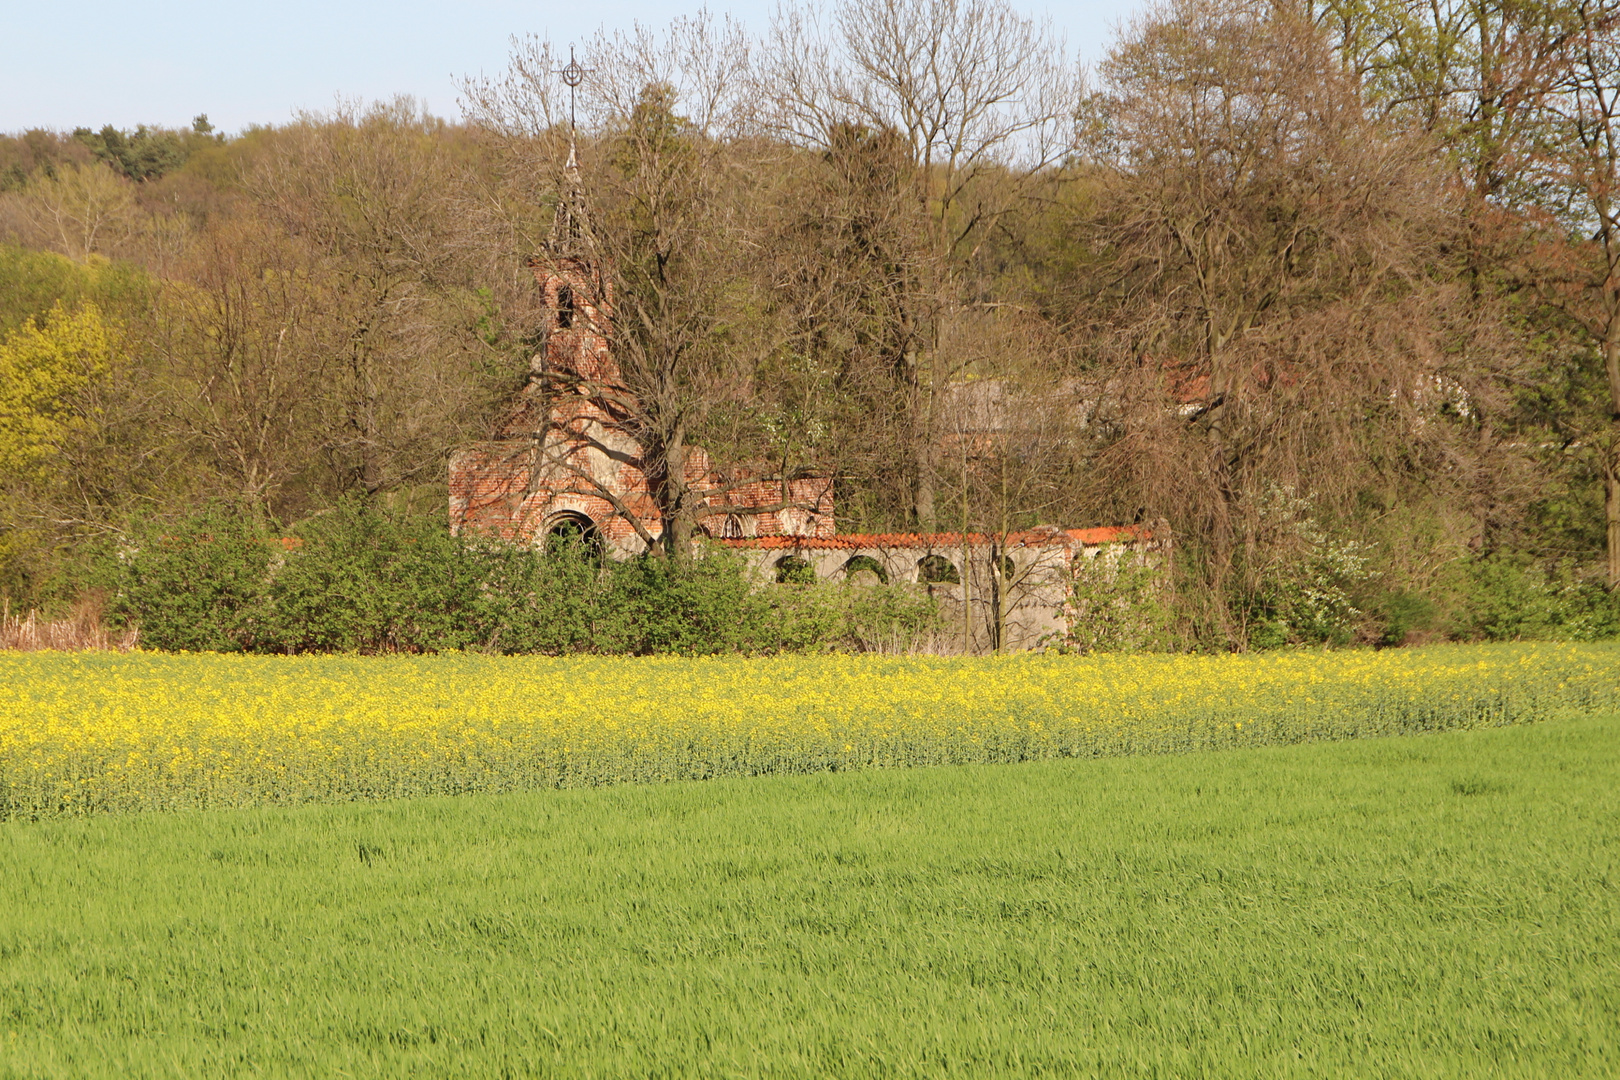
x,y
1421,905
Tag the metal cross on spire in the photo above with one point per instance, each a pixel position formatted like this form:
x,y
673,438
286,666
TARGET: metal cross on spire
x,y
572,76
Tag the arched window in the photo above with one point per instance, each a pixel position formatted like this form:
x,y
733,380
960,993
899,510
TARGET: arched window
x,y
732,529
565,307
792,570
573,536
864,566
937,570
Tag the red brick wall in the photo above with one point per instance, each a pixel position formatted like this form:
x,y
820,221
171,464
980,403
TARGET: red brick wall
x,y
496,487
504,488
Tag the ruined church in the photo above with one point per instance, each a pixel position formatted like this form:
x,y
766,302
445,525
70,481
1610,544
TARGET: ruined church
x,y
564,460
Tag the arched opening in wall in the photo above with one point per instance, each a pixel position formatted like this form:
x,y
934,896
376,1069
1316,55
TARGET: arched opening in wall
x,y
573,536
732,529
792,570
865,570
565,307
937,570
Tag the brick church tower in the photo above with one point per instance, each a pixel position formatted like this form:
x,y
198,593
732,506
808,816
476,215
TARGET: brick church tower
x,y
575,357
563,456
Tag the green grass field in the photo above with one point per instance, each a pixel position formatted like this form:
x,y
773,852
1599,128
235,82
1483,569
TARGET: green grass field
x,y
1435,905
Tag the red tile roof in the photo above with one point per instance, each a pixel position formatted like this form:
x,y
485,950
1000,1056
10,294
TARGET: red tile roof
x,y
1107,534
1110,534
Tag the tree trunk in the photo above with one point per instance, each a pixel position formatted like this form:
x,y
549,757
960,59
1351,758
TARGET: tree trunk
x,y
923,489
998,590
1222,539
1611,508
1000,580
1611,458
675,504
924,459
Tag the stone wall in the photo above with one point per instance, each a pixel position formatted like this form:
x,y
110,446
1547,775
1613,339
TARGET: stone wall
x,y
1023,577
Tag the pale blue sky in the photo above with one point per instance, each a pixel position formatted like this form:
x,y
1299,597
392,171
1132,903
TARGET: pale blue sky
x,y
68,63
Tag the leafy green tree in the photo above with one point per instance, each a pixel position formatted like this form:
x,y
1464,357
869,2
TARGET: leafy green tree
x,y
363,580
147,153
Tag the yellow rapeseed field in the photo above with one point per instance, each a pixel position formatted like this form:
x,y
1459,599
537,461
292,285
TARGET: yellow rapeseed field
x,y
93,732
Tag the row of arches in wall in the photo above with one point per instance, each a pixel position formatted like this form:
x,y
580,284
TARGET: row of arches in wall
x,y
931,570
571,524
573,528
575,532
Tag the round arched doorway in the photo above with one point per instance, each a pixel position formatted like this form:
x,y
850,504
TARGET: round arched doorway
x,y
572,534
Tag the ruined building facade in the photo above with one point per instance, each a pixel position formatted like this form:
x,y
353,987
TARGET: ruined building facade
x,y
565,454
565,457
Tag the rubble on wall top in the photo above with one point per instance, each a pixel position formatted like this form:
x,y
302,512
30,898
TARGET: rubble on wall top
x,y
1038,537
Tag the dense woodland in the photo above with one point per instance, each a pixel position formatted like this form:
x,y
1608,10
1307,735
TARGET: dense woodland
x,y
1332,289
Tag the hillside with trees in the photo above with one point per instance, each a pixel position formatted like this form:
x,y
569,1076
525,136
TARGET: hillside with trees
x,y
1332,289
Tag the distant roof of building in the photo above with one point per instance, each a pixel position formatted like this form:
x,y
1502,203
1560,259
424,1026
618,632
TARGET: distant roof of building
x,y
1039,537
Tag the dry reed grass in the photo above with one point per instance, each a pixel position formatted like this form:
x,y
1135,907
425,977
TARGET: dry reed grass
x,y
82,628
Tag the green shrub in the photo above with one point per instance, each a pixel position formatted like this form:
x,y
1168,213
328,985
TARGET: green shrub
x,y
361,578
532,601
1298,576
1511,597
365,580
792,570
807,618
198,585
1401,613
1118,601
706,606
898,618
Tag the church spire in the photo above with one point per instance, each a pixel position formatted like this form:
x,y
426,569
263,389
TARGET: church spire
x,y
568,226
569,271
569,232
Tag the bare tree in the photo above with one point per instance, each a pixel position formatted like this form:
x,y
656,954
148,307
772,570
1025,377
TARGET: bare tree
x,y
1278,322
1471,73
320,337
80,209
981,101
367,192
847,263
243,373
1580,157
1012,430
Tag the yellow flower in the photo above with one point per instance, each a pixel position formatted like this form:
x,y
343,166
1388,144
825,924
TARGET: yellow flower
x,y
103,732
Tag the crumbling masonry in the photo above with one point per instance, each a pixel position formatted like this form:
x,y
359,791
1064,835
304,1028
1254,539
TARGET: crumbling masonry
x,y
564,455
564,458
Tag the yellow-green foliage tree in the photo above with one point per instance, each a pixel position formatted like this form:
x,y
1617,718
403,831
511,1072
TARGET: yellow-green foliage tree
x,y
44,368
